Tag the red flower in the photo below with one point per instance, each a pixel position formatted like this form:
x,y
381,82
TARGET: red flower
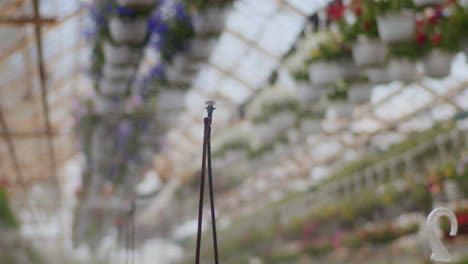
x,y
436,38
4,183
419,24
421,40
357,11
433,20
335,11
367,25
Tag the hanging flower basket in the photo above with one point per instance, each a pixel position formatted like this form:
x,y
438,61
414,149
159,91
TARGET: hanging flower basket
x,y
209,21
339,109
113,87
184,63
282,121
128,31
123,74
176,77
136,2
402,69
121,54
396,27
171,99
108,105
265,132
201,48
349,69
378,75
323,73
438,63
310,126
360,93
429,2
308,93
368,52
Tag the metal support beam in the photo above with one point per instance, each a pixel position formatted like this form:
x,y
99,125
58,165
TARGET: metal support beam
x,y
11,150
26,134
43,89
25,21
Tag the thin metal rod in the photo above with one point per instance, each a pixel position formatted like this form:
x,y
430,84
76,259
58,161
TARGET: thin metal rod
x,y
202,190
210,182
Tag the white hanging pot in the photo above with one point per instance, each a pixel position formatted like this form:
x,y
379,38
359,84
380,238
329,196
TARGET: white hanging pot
x,y
311,126
339,110
264,132
201,48
438,63
368,52
464,46
171,99
129,31
397,27
179,78
108,105
282,120
360,93
323,73
402,69
209,21
183,63
349,70
124,74
113,87
308,93
136,2
378,75
429,2
121,54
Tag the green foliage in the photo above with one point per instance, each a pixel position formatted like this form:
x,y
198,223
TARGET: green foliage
x,y
7,218
365,24
410,50
411,142
339,93
384,6
204,4
179,32
302,75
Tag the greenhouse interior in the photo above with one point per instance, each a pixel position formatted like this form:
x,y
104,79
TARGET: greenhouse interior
x,y
233,131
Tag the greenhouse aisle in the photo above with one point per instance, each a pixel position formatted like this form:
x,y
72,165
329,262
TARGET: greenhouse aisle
x,y
233,131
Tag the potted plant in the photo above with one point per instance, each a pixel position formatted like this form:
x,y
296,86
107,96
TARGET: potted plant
x,y
208,16
109,105
378,74
114,87
359,90
200,48
121,54
339,107
395,20
309,120
367,48
128,31
122,73
402,62
441,35
325,62
306,91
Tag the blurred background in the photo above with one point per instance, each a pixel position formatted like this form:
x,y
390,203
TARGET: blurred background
x,y
339,125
